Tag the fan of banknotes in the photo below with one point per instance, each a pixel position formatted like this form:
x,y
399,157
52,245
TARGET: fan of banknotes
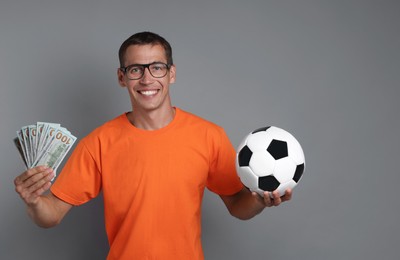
x,y
43,144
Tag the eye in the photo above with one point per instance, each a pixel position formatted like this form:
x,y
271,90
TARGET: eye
x,y
157,67
135,70
160,66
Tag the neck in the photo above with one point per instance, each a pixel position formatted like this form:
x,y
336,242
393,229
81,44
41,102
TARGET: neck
x,y
151,120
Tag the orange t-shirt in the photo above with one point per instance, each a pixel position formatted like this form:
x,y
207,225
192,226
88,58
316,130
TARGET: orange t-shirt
x,y
152,183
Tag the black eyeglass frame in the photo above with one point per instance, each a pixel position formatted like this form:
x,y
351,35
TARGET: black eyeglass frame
x,y
144,66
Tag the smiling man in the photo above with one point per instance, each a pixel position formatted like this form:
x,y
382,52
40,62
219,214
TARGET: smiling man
x,y
152,165
147,74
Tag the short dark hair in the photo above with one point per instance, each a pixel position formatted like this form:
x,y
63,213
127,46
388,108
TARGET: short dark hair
x,y
144,38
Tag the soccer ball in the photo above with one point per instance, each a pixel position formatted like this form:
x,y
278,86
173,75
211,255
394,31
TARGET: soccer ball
x,y
269,159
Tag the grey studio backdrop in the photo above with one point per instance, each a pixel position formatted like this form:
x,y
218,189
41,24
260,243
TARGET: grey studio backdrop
x,y
327,71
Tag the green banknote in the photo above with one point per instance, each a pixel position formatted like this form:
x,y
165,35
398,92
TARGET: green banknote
x,y
43,143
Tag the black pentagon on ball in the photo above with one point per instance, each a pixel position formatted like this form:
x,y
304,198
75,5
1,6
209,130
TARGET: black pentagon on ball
x,y
278,149
262,129
244,156
268,183
299,172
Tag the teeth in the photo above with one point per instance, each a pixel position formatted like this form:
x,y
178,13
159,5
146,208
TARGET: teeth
x,y
148,92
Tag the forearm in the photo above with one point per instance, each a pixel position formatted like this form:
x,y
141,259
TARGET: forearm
x,y
247,209
45,212
244,205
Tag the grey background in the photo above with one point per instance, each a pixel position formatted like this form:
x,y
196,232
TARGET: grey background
x,y
327,71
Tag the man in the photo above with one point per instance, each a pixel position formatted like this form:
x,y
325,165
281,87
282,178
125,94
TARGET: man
x,y
152,165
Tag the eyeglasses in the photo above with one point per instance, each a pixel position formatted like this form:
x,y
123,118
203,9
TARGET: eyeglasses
x,y
136,71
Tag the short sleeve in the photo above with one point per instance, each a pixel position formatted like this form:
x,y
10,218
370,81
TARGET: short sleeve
x,y
222,178
80,179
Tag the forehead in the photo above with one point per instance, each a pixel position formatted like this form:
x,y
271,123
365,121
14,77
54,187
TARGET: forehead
x,y
144,54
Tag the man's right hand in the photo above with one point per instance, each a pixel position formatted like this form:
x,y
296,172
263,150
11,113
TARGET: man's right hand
x,y
32,183
46,210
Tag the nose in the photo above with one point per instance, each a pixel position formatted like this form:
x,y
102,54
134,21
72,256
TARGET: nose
x,y
147,77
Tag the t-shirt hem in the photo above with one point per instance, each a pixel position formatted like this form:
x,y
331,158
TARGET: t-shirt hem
x,y
66,198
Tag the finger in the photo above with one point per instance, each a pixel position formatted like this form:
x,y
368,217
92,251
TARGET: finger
x,y
262,198
42,189
34,184
40,182
288,195
35,176
28,173
30,194
268,200
276,198
39,177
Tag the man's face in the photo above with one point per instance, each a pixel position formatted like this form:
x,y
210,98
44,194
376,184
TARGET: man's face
x,y
147,93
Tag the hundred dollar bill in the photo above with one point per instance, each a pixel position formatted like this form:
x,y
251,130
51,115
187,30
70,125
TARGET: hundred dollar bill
x,y
43,144
25,136
55,151
32,141
47,134
22,147
40,130
20,150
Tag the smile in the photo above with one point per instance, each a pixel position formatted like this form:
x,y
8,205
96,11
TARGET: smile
x,y
148,92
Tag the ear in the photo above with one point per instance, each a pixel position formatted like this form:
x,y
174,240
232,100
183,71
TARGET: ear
x,y
172,74
121,78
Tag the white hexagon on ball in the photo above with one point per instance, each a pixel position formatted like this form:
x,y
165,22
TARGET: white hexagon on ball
x,y
262,163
